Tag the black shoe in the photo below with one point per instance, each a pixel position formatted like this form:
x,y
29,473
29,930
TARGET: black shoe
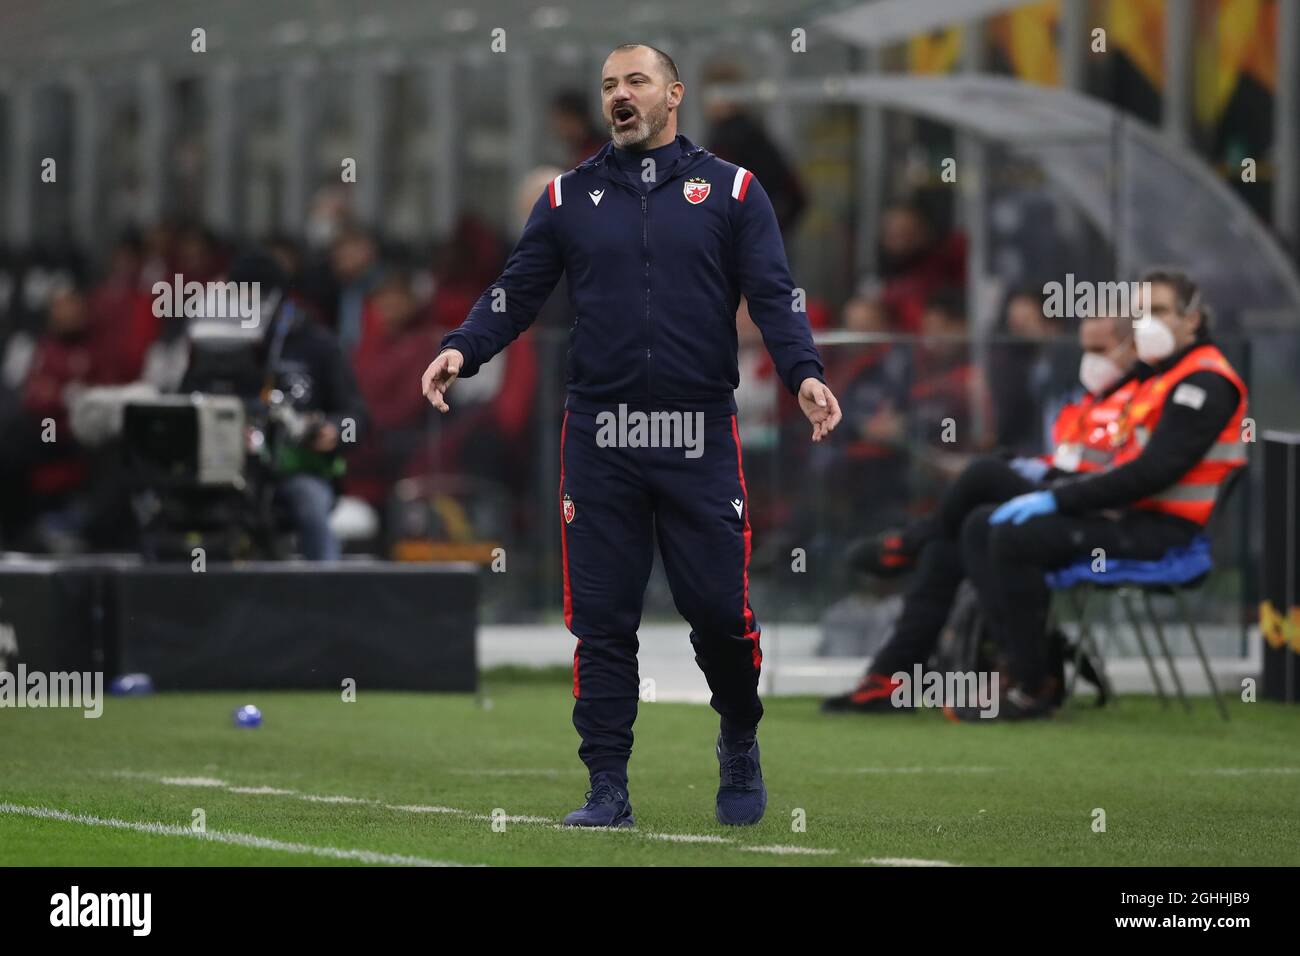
x,y
607,806
1015,704
873,695
742,795
891,553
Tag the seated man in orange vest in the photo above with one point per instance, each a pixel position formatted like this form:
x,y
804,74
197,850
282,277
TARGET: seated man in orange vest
x,y
1082,437
1178,441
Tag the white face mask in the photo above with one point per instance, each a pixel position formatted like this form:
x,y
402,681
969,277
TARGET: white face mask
x,y
1154,339
1098,372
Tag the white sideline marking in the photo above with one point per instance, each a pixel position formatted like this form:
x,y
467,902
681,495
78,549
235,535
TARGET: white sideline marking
x,y
688,838
415,808
1242,771
909,769
796,850
221,836
505,818
902,861
511,772
330,798
517,818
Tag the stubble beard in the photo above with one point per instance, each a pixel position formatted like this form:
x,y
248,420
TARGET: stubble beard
x,y
648,127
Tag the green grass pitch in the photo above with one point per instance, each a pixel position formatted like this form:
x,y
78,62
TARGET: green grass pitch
x,y
396,778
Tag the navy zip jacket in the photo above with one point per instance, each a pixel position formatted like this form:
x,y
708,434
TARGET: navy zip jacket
x,y
655,277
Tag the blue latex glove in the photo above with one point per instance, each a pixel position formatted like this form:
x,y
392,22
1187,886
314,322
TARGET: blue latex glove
x,y
1030,469
1023,507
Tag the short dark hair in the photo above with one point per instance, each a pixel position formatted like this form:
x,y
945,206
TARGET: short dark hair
x,y
665,61
1187,294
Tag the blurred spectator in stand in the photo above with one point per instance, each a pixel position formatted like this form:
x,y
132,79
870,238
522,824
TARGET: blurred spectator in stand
x,y
571,124
159,254
68,358
354,260
914,264
739,138
487,433
397,342
328,218
870,470
1032,375
468,261
288,256
948,402
199,255
192,252
121,310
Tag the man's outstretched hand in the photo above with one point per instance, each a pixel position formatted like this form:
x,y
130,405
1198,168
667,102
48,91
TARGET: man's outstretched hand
x,y
438,377
820,406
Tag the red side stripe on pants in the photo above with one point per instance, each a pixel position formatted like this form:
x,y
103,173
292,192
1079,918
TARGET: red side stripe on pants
x,y
564,555
750,633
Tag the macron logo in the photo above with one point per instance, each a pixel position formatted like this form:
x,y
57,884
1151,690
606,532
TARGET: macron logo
x,y
596,196
738,505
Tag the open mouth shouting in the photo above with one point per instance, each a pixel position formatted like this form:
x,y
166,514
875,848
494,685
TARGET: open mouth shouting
x,y
624,116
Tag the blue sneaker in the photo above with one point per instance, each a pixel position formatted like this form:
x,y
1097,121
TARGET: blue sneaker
x,y
742,798
607,806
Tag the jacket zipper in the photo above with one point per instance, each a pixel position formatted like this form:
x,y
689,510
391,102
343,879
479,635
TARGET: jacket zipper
x,y
645,249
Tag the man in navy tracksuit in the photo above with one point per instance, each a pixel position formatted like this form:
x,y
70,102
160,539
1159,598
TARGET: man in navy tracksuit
x,y
659,239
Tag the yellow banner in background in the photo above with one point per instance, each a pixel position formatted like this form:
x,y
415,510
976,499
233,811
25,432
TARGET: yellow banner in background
x,y
936,52
1137,29
1238,37
1027,38
1279,630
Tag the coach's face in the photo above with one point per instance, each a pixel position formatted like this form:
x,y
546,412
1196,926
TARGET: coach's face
x,y
637,98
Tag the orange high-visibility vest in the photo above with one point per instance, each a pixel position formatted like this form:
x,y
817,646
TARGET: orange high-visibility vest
x,y
1083,435
1191,496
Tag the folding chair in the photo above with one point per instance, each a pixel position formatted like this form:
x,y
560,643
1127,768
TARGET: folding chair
x,y
1179,570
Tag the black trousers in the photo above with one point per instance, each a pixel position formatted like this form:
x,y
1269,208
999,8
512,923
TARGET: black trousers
x,y
940,565
1007,562
616,503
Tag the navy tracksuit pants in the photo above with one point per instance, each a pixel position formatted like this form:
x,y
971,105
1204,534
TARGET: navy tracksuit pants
x,y
614,503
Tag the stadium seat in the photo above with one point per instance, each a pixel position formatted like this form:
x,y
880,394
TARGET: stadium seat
x,y
1178,570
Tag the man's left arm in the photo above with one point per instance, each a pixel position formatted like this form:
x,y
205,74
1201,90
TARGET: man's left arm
x,y
765,281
